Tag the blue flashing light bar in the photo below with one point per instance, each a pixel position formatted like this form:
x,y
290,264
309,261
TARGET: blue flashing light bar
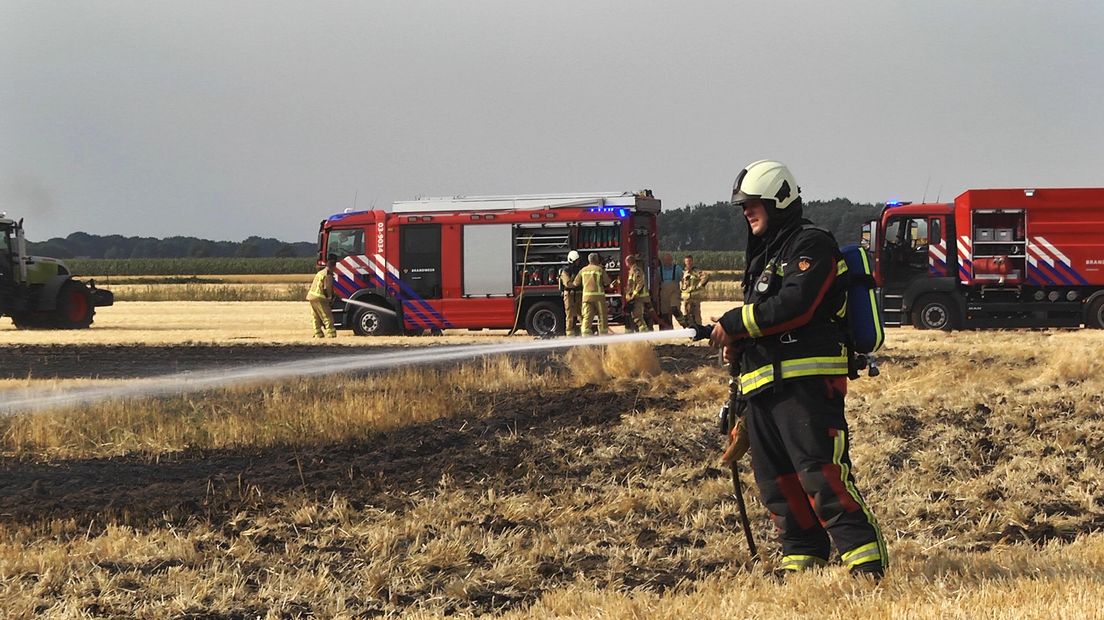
x,y
896,203
344,214
620,211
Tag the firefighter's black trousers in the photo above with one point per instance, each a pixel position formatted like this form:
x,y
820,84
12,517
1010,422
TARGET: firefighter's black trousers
x,y
799,452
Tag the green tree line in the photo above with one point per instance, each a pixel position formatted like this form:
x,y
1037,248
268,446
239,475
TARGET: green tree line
x,y
115,247
199,266
720,227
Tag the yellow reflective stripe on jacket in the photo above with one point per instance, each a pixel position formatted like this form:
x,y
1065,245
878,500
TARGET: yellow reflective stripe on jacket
x,y
842,312
748,316
791,369
320,288
591,278
801,562
870,551
841,267
692,284
635,285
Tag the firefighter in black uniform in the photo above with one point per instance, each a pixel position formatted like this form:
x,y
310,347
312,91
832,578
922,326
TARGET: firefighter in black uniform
x,y
788,340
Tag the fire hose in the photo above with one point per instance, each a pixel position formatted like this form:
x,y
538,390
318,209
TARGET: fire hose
x,y
731,411
729,414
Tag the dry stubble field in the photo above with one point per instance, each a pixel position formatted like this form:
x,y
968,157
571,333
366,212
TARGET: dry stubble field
x,y
577,485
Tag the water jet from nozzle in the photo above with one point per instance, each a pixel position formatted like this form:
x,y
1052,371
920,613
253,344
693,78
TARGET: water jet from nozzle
x,y
364,304
27,400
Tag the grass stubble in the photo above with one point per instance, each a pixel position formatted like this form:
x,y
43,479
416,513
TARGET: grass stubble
x,y
981,454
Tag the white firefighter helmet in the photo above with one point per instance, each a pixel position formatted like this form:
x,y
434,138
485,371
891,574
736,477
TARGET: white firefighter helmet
x,y
572,256
768,180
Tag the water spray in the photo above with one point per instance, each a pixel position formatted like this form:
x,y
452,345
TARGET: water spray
x,y
364,304
26,400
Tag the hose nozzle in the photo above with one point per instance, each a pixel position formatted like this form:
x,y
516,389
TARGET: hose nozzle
x,y
701,332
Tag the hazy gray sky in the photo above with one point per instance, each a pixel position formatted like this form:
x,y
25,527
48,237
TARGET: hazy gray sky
x,y
227,119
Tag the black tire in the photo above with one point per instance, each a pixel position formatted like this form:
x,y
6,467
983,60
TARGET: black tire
x,y
30,320
1094,316
369,322
74,306
935,312
545,319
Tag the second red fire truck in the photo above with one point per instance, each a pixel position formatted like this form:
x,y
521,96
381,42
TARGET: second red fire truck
x,y
479,262
993,258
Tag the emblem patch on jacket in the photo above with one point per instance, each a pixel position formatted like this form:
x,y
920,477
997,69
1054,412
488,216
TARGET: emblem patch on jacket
x,y
804,263
764,282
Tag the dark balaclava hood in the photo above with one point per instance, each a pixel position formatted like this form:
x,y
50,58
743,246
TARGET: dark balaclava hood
x,y
781,224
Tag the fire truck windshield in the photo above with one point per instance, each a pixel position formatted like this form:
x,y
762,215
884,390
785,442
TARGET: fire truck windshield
x,y
346,242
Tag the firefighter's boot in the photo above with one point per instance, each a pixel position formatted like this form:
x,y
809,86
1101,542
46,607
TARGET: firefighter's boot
x,y
801,563
875,570
793,564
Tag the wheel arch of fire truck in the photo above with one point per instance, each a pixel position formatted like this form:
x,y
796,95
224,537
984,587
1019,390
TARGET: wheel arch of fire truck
x,y
481,262
1025,257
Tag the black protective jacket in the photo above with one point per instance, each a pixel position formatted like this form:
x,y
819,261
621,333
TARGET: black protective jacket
x,y
791,323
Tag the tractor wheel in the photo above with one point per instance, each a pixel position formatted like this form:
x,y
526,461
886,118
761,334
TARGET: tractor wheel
x,y
935,312
1094,317
74,306
369,322
30,320
545,319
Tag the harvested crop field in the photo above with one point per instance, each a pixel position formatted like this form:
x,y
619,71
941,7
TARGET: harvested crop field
x,y
575,484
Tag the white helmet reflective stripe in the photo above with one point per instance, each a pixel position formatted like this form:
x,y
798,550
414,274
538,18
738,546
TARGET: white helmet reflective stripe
x,y
572,256
766,179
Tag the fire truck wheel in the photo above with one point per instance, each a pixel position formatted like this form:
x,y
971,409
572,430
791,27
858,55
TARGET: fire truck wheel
x,y
370,322
74,306
544,319
1095,316
934,312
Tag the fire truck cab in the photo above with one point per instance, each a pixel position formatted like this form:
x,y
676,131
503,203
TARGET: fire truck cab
x,y
993,258
480,262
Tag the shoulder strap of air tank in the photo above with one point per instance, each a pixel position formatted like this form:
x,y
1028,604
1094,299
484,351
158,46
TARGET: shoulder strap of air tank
x,y
786,248
852,361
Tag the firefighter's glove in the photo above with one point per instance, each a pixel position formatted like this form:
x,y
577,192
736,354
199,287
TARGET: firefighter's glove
x,y
701,332
738,443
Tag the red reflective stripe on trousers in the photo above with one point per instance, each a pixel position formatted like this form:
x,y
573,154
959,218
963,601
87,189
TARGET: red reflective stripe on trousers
x,y
833,474
798,502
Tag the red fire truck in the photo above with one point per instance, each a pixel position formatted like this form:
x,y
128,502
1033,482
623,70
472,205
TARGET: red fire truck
x,y
993,258
480,262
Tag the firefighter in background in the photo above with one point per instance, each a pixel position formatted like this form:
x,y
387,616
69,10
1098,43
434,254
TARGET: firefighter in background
x,y
320,296
572,295
690,286
636,293
788,340
670,274
593,281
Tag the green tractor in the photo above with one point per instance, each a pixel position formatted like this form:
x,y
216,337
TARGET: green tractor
x,y
38,292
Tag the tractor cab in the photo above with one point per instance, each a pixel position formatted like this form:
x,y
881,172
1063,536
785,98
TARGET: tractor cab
x,y
6,254
9,262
